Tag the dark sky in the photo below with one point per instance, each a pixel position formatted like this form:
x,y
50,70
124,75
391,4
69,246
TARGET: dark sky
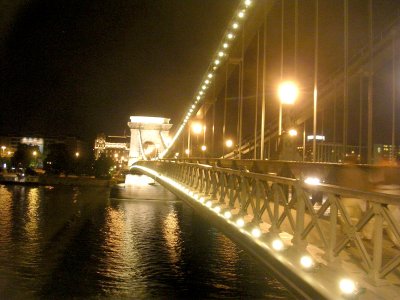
x,y
83,67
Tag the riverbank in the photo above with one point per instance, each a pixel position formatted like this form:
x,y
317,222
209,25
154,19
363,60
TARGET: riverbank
x,y
58,180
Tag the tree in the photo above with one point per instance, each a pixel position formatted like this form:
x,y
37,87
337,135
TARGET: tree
x,y
23,157
102,166
57,160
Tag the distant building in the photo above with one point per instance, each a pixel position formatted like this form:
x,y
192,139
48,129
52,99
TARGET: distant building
x,y
9,144
115,147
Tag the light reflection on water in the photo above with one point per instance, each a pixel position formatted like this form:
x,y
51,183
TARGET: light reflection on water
x,y
77,243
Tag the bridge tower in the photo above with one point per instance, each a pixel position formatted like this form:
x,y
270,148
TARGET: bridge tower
x,y
149,137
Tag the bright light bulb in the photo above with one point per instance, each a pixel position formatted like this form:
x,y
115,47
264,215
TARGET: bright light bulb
x,y
201,93
241,14
220,53
193,106
256,232
247,2
277,245
209,203
195,196
288,92
229,143
293,132
240,222
230,36
235,25
210,75
198,97
217,61
347,286
227,215
203,87
207,81
312,180
225,45
306,261
201,199
203,148
217,209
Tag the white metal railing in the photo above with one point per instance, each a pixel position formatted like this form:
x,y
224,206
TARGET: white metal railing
x,y
335,219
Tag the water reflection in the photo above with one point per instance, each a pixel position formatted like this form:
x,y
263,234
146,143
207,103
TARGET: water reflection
x,y
77,243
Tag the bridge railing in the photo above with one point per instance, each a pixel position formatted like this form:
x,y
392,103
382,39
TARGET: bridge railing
x,y
362,225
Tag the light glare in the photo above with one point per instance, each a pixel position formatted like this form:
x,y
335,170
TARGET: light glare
x,y
277,245
347,286
288,92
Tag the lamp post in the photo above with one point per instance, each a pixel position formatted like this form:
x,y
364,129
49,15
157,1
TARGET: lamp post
x,y
288,93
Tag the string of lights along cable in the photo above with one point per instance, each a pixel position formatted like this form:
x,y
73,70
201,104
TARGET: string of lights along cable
x,y
218,59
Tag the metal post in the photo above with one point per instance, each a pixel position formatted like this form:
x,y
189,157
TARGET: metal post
x,y
315,82
377,242
370,81
256,102
360,118
241,74
188,147
225,106
282,42
263,92
346,74
393,98
304,141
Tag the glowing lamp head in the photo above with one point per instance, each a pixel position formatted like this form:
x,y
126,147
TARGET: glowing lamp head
x,y
256,232
197,128
217,209
347,286
306,262
240,222
201,200
203,148
277,245
229,143
34,153
227,215
208,203
293,132
312,180
187,151
77,154
288,92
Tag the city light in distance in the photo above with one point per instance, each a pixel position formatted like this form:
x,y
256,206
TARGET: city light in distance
x,y
77,154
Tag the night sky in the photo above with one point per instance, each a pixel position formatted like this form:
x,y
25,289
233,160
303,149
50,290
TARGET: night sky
x,y
83,67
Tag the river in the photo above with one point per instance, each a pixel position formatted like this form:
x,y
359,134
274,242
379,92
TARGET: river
x,y
139,242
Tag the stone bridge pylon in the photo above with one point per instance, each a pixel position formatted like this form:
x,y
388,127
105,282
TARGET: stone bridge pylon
x,y
149,137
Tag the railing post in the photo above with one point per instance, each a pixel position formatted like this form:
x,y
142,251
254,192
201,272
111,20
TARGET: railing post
x,y
300,212
329,254
377,244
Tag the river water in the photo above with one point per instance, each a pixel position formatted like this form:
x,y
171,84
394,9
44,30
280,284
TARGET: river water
x,y
132,242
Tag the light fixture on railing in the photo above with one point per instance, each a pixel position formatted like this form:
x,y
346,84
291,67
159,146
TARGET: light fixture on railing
x,y
256,232
278,245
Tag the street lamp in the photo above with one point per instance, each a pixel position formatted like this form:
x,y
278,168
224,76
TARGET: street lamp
x,y
203,148
229,143
293,132
288,93
77,154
